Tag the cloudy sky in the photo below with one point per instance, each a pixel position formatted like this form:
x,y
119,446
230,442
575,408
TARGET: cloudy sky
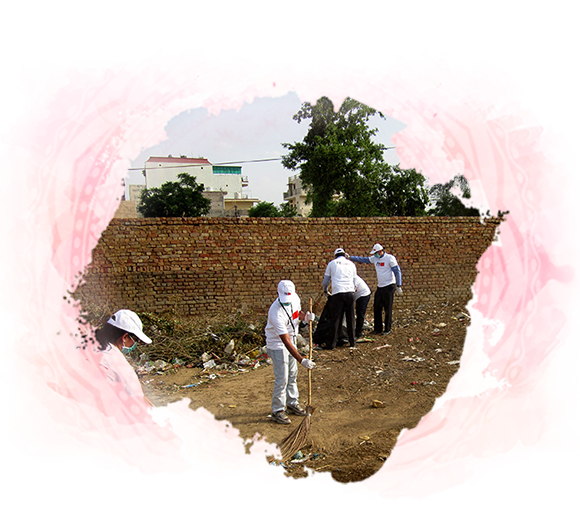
x,y
253,132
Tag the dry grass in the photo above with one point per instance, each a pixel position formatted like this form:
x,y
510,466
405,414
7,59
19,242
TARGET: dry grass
x,y
186,338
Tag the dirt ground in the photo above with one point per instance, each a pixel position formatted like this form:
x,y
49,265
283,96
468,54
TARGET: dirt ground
x,y
402,373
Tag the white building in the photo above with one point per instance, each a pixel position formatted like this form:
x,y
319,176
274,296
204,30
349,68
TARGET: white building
x,y
296,196
223,184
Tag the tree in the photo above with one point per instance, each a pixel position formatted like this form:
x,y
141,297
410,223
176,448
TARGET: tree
x,y
265,209
175,199
401,192
337,158
287,210
445,201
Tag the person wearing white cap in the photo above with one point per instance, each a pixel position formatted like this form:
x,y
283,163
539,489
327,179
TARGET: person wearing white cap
x,y
389,281
281,330
119,336
341,273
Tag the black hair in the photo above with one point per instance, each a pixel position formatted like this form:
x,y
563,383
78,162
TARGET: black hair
x,y
110,334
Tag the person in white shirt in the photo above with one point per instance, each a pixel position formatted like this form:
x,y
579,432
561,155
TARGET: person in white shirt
x,y
362,296
117,337
341,273
389,281
284,317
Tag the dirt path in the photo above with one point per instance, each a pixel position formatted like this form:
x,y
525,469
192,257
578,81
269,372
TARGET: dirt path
x,y
404,371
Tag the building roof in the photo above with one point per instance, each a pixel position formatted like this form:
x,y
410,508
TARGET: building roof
x,y
179,160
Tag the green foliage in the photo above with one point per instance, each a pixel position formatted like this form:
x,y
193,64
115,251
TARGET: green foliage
x,y
175,199
265,209
287,210
337,156
401,192
343,170
445,202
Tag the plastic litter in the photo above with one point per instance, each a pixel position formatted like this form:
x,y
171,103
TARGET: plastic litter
x,y
229,348
160,364
209,364
190,385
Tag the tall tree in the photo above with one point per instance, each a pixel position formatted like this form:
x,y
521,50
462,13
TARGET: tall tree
x,y
337,157
401,192
445,200
182,198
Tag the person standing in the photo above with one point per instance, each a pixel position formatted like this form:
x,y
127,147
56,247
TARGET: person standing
x,y
117,337
281,330
362,296
341,273
389,281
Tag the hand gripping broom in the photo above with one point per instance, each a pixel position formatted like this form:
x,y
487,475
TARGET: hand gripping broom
x,y
298,438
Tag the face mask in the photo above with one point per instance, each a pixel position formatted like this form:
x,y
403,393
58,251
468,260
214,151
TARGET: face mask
x,y
377,255
127,350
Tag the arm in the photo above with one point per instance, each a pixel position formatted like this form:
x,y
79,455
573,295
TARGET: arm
x,y
291,349
359,259
325,282
397,271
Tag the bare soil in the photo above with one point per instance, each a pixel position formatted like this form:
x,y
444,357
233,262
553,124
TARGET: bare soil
x,y
363,398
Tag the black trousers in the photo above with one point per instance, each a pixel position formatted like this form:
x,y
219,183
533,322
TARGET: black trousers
x,y
342,304
384,302
360,310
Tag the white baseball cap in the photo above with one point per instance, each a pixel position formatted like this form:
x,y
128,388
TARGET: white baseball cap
x,y
339,251
376,248
130,322
286,291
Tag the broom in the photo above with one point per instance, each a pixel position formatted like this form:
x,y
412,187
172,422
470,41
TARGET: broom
x,y
297,439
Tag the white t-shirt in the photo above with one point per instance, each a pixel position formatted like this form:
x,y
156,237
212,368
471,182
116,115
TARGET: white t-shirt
x,y
384,266
362,289
118,369
282,319
342,274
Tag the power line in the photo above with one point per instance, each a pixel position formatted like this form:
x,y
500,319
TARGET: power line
x,y
227,163
210,164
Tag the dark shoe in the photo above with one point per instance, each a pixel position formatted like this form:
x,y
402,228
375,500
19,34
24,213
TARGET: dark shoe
x,y
280,417
295,410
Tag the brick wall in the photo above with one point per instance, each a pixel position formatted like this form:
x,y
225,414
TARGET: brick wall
x,y
197,265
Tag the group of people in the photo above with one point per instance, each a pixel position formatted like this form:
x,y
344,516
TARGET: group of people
x,y
350,297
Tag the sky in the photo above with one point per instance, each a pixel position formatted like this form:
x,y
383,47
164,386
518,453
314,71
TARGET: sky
x,y
488,89
254,131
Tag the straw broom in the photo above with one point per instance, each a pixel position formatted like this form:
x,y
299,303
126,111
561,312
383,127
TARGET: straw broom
x,y
298,438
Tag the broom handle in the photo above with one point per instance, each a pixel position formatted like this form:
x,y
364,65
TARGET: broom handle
x,y
310,355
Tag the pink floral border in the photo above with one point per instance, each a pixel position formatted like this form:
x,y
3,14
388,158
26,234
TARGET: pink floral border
x,y
79,151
